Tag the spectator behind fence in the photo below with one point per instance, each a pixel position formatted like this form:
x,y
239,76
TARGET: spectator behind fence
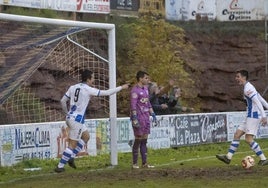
x,y
159,107
166,100
175,106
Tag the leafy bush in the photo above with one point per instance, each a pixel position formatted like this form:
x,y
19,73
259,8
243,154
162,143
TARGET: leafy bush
x,y
157,47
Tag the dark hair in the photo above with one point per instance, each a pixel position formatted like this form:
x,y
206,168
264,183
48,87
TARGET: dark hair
x,y
86,74
141,74
243,73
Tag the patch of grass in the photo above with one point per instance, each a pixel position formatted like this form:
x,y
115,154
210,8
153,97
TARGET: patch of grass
x,y
182,167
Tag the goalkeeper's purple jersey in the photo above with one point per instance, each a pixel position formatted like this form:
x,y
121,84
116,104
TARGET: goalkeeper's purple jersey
x,y
139,102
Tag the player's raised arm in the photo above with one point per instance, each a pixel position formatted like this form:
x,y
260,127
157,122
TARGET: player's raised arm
x,y
112,91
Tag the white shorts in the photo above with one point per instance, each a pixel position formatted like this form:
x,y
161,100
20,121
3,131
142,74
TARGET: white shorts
x,y
250,126
75,129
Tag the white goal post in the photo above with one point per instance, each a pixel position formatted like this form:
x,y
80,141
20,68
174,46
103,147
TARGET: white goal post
x,y
110,29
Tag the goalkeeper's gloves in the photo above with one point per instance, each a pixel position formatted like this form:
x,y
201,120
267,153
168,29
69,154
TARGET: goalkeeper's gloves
x,y
135,122
154,119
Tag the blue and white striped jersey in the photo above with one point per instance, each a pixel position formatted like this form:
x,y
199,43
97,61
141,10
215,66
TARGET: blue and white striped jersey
x,y
254,104
79,96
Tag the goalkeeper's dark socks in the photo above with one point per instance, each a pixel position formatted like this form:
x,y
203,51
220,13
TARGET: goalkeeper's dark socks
x,y
143,150
135,150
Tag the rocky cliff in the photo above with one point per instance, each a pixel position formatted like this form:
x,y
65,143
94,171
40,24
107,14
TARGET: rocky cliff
x,y
221,49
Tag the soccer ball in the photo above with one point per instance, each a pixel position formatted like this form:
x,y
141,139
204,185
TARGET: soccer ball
x,y
248,162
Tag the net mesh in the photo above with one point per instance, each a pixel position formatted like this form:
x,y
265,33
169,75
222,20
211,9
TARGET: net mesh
x,y
38,62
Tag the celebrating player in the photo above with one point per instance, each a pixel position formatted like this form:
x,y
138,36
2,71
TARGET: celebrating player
x,y
255,116
79,97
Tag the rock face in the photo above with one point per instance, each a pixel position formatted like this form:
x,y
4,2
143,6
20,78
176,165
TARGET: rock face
x,y
220,49
218,55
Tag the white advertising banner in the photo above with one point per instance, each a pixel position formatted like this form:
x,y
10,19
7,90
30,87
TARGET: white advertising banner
x,y
49,140
22,142
221,10
67,5
125,135
199,9
234,119
89,6
240,10
24,3
94,6
160,135
173,9
158,138
42,141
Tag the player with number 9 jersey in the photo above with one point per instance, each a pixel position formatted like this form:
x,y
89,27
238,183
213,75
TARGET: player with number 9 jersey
x,y
78,96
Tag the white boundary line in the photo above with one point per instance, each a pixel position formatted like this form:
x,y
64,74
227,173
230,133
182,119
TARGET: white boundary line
x,y
207,157
109,168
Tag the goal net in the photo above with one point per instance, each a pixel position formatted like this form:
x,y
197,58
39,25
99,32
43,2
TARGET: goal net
x,y
40,58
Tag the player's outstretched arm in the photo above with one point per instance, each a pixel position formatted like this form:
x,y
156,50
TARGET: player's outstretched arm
x,y
125,86
113,91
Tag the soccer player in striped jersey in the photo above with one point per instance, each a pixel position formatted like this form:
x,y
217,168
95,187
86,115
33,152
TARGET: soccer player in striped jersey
x,y
78,97
255,116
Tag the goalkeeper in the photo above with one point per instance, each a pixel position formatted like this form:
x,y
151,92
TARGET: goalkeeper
x,y
140,111
78,96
